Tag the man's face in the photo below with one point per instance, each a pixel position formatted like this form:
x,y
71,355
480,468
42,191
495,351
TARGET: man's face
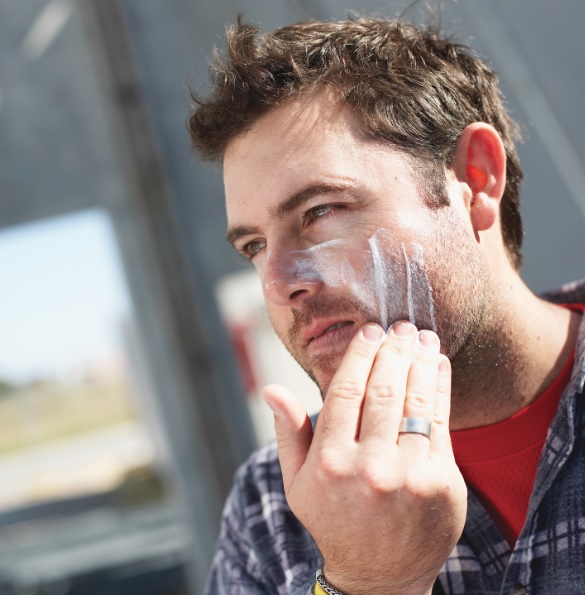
x,y
340,235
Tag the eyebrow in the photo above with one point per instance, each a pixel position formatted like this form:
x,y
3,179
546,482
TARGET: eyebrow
x,y
286,207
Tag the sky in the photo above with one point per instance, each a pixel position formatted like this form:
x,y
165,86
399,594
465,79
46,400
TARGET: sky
x,y
63,296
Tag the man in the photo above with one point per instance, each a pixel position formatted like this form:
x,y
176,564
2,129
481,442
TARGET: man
x,y
371,177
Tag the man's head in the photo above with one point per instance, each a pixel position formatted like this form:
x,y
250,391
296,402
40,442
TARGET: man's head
x,y
364,172
406,86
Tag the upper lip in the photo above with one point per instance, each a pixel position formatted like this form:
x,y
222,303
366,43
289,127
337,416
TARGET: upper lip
x,y
318,328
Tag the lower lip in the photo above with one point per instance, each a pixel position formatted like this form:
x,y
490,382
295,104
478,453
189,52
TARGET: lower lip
x,y
332,339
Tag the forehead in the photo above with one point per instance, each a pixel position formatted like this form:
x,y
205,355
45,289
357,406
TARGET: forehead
x,y
302,141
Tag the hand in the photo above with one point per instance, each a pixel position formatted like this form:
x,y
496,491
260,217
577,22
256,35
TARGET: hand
x,y
385,509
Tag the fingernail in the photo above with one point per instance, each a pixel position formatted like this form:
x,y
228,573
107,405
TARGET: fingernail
x,y
403,329
372,332
428,338
444,364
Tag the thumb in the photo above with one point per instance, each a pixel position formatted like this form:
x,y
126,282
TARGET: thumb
x,y
294,432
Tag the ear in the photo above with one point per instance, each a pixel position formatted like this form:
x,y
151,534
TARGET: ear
x,y
480,164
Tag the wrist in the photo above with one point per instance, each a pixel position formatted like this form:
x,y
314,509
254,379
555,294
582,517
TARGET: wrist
x,y
324,587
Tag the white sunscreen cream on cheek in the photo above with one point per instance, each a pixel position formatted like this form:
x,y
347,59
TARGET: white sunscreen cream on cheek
x,y
400,281
335,264
385,277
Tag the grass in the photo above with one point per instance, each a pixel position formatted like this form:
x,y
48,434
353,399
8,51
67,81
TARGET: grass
x,y
49,411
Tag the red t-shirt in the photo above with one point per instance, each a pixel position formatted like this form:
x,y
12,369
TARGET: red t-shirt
x,y
499,461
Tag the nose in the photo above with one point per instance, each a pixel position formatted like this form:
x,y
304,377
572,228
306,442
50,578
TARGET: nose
x,y
290,277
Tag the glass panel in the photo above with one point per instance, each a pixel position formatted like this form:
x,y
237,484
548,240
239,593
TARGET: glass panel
x,y
81,495
63,367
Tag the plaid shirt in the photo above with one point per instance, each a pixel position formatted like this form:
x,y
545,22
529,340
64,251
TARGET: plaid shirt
x,y
263,549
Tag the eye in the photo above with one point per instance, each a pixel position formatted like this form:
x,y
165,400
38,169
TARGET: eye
x,y
321,211
251,249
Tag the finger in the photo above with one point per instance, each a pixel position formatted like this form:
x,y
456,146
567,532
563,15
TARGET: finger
x,y
294,432
386,388
339,418
441,439
421,389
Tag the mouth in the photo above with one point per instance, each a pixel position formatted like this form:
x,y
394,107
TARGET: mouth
x,y
331,339
326,334
333,327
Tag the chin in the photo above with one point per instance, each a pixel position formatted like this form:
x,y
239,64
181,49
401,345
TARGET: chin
x,y
322,378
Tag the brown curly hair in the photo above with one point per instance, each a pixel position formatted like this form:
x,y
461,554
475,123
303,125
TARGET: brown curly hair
x,y
407,86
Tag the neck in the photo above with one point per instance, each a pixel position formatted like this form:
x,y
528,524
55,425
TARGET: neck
x,y
521,347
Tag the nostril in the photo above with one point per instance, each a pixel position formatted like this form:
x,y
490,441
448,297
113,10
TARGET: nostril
x,y
296,293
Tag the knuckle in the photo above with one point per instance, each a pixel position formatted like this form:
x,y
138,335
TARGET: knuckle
x,y
363,349
371,473
417,399
416,489
347,389
441,421
436,486
444,495
332,466
375,476
416,493
444,491
381,390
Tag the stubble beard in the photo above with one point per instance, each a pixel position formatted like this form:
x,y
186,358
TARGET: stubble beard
x,y
469,318
460,293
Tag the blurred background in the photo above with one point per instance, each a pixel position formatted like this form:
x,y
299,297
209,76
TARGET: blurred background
x,y
133,344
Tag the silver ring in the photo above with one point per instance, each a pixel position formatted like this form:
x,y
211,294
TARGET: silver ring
x,y
415,425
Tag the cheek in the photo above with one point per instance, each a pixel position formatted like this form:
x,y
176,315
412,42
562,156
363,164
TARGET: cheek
x,y
400,281
337,263
383,276
280,318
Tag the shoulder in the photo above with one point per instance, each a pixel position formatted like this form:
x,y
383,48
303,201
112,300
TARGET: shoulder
x,y
573,293
570,293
